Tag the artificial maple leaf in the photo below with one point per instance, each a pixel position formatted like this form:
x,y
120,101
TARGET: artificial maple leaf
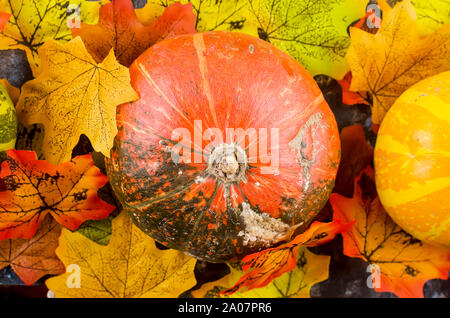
x,y
34,258
405,263
4,17
36,188
356,155
129,266
313,32
369,23
72,96
31,138
263,267
210,15
118,28
98,231
349,97
431,15
309,270
387,63
34,22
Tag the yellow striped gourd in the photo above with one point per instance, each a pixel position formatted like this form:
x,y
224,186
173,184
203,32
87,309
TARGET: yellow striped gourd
x,y
412,160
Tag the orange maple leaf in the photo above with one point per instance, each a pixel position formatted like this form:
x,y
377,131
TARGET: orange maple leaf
x,y
4,17
34,258
35,188
405,263
263,267
119,28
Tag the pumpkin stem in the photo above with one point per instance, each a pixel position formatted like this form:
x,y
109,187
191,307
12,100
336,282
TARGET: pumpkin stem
x,y
228,163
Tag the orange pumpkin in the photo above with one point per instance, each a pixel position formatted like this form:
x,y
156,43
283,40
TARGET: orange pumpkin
x,y
412,160
226,194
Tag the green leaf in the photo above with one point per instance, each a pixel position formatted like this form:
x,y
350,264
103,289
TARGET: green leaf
x,y
98,231
313,32
431,15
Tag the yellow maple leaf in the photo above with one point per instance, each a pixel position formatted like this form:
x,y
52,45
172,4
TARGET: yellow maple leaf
x,y
210,14
74,96
387,63
129,266
310,269
34,22
431,15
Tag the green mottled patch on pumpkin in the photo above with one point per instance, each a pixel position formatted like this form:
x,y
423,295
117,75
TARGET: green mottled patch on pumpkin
x,y
8,126
8,121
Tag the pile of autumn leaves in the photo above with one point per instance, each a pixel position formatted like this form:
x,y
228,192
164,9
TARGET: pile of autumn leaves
x,y
46,205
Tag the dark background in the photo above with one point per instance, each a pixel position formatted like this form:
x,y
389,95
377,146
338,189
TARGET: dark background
x,y
347,276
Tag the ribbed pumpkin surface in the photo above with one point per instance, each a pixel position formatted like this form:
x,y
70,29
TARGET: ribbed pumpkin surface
x,y
217,209
412,160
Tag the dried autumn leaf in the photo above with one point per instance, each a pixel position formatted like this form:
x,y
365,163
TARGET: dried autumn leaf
x,y
36,188
313,32
31,138
405,263
369,23
385,64
72,96
129,266
349,97
98,231
210,15
118,28
431,15
4,17
309,270
32,23
263,267
34,258
356,155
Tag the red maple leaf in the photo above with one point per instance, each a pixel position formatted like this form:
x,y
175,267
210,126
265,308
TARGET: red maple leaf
x,y
119,28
